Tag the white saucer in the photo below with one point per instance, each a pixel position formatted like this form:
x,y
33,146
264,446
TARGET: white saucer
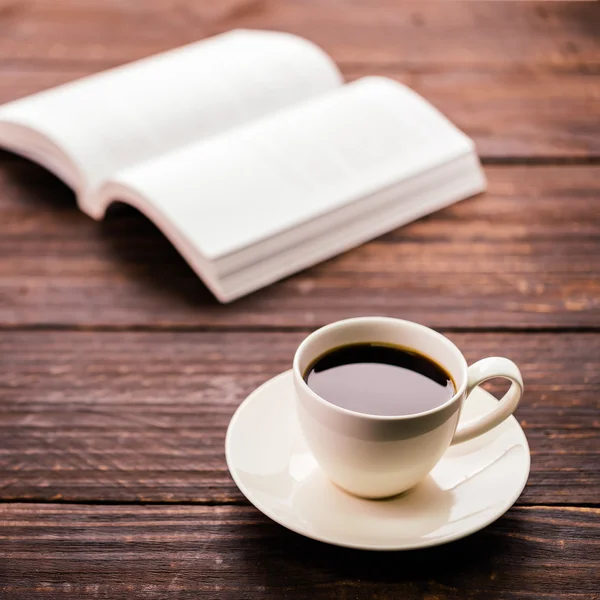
x,y
475,482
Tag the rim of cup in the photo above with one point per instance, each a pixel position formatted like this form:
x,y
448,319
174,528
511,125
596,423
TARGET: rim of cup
x,y
442,339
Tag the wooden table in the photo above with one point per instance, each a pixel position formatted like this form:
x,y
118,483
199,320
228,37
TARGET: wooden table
x,y
119,372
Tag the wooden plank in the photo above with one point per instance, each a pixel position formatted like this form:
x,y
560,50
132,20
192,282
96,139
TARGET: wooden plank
x,y
510,113
524,254
135,416
524,112
225,552
362,32
518,77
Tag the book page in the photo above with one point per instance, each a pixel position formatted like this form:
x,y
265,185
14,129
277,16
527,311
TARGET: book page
x,y
112,120
277,173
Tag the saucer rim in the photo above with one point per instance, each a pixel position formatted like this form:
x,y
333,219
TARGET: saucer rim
x,y
361,546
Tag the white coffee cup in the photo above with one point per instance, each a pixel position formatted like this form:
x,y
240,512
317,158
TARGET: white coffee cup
x,y
377,456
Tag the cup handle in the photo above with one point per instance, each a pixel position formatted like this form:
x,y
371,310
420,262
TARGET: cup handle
x,y
479,372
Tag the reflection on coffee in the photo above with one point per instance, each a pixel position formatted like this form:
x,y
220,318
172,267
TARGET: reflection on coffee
x,y
379,379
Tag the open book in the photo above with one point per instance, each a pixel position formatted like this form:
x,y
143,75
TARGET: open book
x,y
248,152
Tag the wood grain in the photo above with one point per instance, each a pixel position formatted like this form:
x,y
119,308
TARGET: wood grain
x,y
508,111
232,552
512,112
125,416
119,372
520,79
363,32
524,254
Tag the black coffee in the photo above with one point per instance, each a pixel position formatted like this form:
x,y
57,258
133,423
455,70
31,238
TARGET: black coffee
x,y
379,379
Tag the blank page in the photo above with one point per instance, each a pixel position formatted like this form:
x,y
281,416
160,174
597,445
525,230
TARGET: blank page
x,y
273,175
109,121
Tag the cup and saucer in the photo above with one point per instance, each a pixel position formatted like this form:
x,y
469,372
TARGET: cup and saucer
x,y
381,482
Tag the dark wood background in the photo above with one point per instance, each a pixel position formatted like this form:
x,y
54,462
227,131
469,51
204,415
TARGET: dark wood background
x,y
119,372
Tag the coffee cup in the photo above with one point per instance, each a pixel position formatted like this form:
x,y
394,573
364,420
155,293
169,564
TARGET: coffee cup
x,y
377,456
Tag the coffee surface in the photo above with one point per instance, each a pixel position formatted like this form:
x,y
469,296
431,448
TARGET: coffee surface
x,y
378,379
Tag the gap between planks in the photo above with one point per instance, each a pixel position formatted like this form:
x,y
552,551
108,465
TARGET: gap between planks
x,y
502,161
245,503
175,328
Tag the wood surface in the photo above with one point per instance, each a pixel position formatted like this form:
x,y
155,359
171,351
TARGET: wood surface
x,y
517,111
119,372
525,254
139,416
234,552
365,32
519,78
